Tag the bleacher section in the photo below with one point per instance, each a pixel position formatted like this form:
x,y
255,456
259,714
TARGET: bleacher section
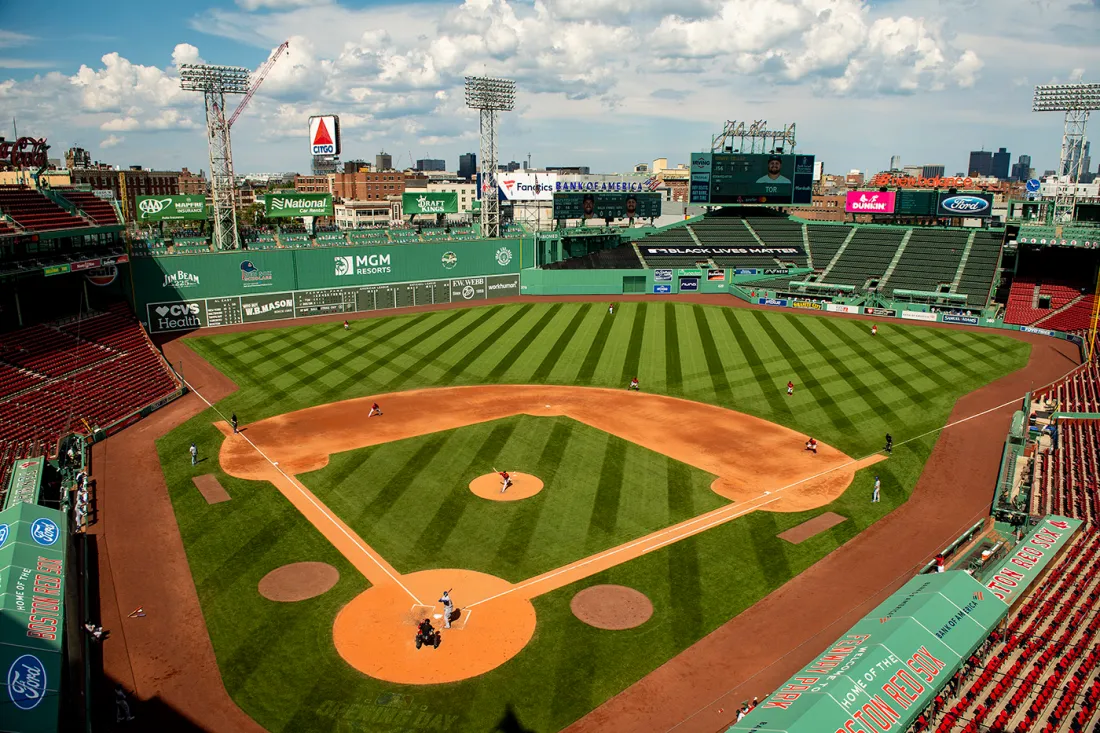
x,y
825,242
32,211
101,212
1076,317
725,231
52,378
622,257
1023,299
866,257
976,282
930,259
1041,673
778,232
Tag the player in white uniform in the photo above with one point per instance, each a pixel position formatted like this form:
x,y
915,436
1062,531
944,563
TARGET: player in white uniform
x,y
448,608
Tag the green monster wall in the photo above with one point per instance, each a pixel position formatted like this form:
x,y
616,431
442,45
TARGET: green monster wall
x,y
184,292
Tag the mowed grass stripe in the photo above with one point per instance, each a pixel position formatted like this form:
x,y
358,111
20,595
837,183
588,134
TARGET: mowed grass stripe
x,y
897,380
595,351
605,512
517,537
715,367
634,346
524,343
930,345
476,321
764,378
404,477
485,344
449,512
868,394
674,379
546,366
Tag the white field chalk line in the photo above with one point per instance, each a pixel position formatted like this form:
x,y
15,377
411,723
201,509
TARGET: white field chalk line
x,y
312,500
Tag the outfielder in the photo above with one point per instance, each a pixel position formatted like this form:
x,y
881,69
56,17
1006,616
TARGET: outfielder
x,y
448,608
375,410
790,388
874,329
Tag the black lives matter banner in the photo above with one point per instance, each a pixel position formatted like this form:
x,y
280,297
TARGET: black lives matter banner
x,y
745,250
186,315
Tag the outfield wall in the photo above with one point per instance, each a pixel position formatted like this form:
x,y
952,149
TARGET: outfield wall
x,y
184,292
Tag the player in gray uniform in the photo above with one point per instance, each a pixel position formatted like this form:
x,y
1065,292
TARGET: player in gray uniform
x,y
448,608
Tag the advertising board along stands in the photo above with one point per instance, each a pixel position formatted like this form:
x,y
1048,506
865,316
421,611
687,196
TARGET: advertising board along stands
x,y
32,589
890,666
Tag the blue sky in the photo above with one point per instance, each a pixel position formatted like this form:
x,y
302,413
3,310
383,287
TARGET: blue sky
x,y
605,83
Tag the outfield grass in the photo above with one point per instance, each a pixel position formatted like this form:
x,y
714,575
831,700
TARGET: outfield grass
x,y
278,660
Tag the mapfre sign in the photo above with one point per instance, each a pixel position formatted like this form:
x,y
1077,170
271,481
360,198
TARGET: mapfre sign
x,y
26,152
324,135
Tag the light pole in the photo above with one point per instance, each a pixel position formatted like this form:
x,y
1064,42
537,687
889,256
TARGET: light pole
x,y
1076,100
490,96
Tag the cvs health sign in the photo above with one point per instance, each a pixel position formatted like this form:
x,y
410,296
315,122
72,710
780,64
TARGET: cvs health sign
x,y
324,135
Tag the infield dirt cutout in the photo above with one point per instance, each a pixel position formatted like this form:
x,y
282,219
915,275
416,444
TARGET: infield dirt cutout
x,y
298,581
611,607
759,465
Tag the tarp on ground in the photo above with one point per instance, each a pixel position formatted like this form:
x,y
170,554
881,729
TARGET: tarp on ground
x,y
887,668
32,573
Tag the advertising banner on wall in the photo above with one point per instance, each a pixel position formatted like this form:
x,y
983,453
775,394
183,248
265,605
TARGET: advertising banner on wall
x,y
968,320
171,208
689,284
966,205
918,316
288,205
524,186
869,202
746,250
880,312
430,202
662,275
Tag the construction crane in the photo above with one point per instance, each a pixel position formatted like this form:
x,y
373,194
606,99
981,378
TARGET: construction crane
x,y
260,76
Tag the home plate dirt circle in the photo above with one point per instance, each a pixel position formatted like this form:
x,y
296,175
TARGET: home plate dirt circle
x,y
612,607
524,486
376,631
298,581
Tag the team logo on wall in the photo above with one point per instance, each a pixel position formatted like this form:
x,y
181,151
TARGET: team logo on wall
x,y
345,265
449,260
253,276
504,256
3,534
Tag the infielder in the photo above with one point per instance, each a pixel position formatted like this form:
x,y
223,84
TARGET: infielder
x,y
505,481
448,608
811,445
374,410
633,384
790,388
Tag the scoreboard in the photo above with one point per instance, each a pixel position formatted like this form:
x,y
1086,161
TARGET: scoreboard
x,y
607,205
916,202
751,178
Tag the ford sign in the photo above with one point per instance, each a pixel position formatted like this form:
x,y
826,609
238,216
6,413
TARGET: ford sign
x,y
27,682
965,206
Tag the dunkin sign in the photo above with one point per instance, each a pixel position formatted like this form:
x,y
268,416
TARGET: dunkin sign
x,y
870,202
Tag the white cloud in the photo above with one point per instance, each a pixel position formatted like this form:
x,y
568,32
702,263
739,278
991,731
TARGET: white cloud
x,y
120,124
111,141
11,38
278,4
10,63
185,53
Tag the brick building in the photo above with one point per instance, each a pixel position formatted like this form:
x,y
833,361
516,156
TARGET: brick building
x,y
193,183
136,180
367,185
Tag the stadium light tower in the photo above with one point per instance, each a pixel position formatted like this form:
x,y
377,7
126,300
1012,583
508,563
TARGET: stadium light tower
x,y
1076,100
491,96
215,82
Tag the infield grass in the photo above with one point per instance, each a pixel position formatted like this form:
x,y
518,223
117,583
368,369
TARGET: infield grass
x,y
278,660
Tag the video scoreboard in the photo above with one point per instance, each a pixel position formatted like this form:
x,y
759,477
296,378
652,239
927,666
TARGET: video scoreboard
x,y
751,178
607,205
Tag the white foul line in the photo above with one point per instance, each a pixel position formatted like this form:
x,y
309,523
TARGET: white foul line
x,y
312,500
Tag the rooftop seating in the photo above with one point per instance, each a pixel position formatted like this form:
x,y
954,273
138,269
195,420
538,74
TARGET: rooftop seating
x,y
101,212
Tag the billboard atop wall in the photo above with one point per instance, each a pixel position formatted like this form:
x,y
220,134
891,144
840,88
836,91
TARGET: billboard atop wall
x,y
324,135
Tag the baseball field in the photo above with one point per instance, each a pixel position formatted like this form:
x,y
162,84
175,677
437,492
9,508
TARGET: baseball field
x,y
678,492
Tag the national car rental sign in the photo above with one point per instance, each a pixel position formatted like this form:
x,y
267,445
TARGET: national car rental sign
x,y
324,135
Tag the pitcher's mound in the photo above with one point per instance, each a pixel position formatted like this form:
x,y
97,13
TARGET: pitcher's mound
x,y
613,607
298,581
524,486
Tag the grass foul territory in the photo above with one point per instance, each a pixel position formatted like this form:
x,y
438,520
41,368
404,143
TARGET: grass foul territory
x,y
409,499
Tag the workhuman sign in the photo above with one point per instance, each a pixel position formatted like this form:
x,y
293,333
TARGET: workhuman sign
x,y
324,135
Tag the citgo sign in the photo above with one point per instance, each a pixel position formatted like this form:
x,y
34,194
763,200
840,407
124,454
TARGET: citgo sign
x,y
324,135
